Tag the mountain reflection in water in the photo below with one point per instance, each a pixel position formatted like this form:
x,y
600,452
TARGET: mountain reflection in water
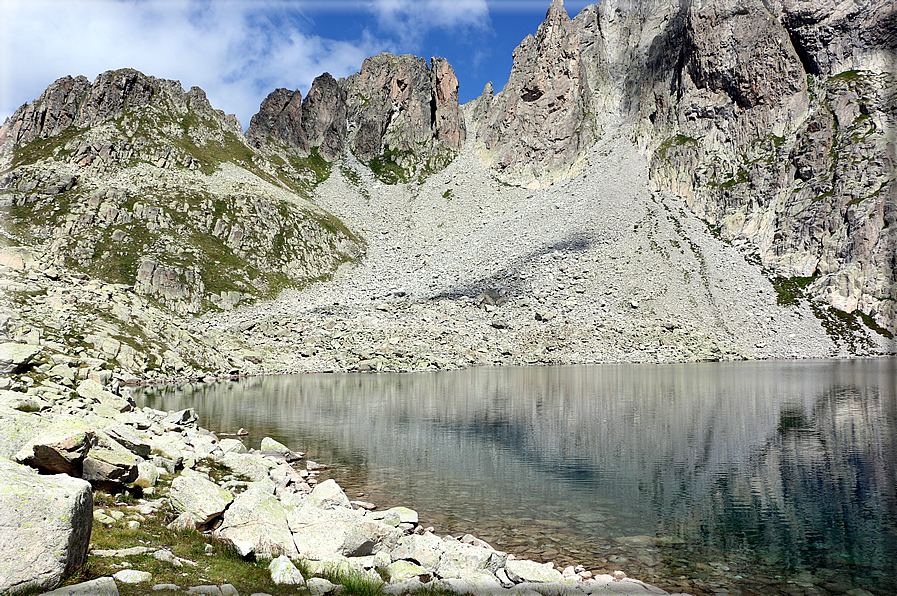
x,y
769,477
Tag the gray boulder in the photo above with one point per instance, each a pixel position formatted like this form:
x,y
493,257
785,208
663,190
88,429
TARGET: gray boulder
x,y
423,548
318,586
45,525
103,586
60,448
258,518
284,572
321,533
17,430
255,467
198,498
14,356
328,495
459,560
128,438
91,390
180,418
108,465
132,576
147,474
530,571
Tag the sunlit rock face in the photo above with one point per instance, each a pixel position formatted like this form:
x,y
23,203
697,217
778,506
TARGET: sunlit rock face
x,y
404,115
537,127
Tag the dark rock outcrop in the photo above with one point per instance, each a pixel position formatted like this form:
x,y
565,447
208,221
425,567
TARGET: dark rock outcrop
x,y
324,117
279,117
741,77
833,37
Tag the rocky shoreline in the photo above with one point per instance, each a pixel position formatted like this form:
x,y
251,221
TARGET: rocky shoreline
x,y
87,435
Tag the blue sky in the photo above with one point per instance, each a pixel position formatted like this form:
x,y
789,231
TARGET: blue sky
x,y
238,51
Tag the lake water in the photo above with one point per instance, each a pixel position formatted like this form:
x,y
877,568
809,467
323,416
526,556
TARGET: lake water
x,y
712,478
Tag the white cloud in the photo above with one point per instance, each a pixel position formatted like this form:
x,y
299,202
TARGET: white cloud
x,y
236,51
410,20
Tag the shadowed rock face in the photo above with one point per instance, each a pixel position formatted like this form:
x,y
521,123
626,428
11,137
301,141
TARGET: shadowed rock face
x,y
537,126
833,37
740,74
280,117
324,113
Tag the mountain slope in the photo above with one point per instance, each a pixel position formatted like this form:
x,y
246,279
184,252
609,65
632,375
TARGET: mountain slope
x,y
774,121
150,191
133,180
647,188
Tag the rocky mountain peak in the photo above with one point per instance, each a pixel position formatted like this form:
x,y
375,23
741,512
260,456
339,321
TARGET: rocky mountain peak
x,y
324,117
118,98
279,117
135,181
404,115
537,126
398,114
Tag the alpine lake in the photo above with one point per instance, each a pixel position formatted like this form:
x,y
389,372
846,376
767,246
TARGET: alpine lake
x,y
742,478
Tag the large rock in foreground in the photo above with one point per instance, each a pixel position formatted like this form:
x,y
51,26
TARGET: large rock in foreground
x,y
45,525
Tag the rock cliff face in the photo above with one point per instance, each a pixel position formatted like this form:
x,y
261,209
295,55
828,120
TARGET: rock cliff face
x,y
404,116
398,115
133,180
535,129
774,120
280,117
325,117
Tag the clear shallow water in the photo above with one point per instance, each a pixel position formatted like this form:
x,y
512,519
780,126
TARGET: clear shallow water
x,y
711,478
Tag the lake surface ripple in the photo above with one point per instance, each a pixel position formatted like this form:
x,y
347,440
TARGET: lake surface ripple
x,y
712,478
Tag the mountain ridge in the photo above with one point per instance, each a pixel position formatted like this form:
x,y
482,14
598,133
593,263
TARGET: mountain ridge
x,y
793,168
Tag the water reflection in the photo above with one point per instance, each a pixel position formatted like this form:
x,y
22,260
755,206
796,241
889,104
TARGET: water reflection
x,y
688,475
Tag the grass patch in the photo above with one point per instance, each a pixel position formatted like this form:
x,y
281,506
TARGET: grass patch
x,y
216,562
678,140
355,583
43,148
790,290
386,168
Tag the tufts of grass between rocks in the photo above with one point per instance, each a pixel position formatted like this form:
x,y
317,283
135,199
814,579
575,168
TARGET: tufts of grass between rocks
x,y
205,560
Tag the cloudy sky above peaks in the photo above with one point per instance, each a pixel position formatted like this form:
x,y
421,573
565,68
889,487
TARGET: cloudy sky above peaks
x,y
238,51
